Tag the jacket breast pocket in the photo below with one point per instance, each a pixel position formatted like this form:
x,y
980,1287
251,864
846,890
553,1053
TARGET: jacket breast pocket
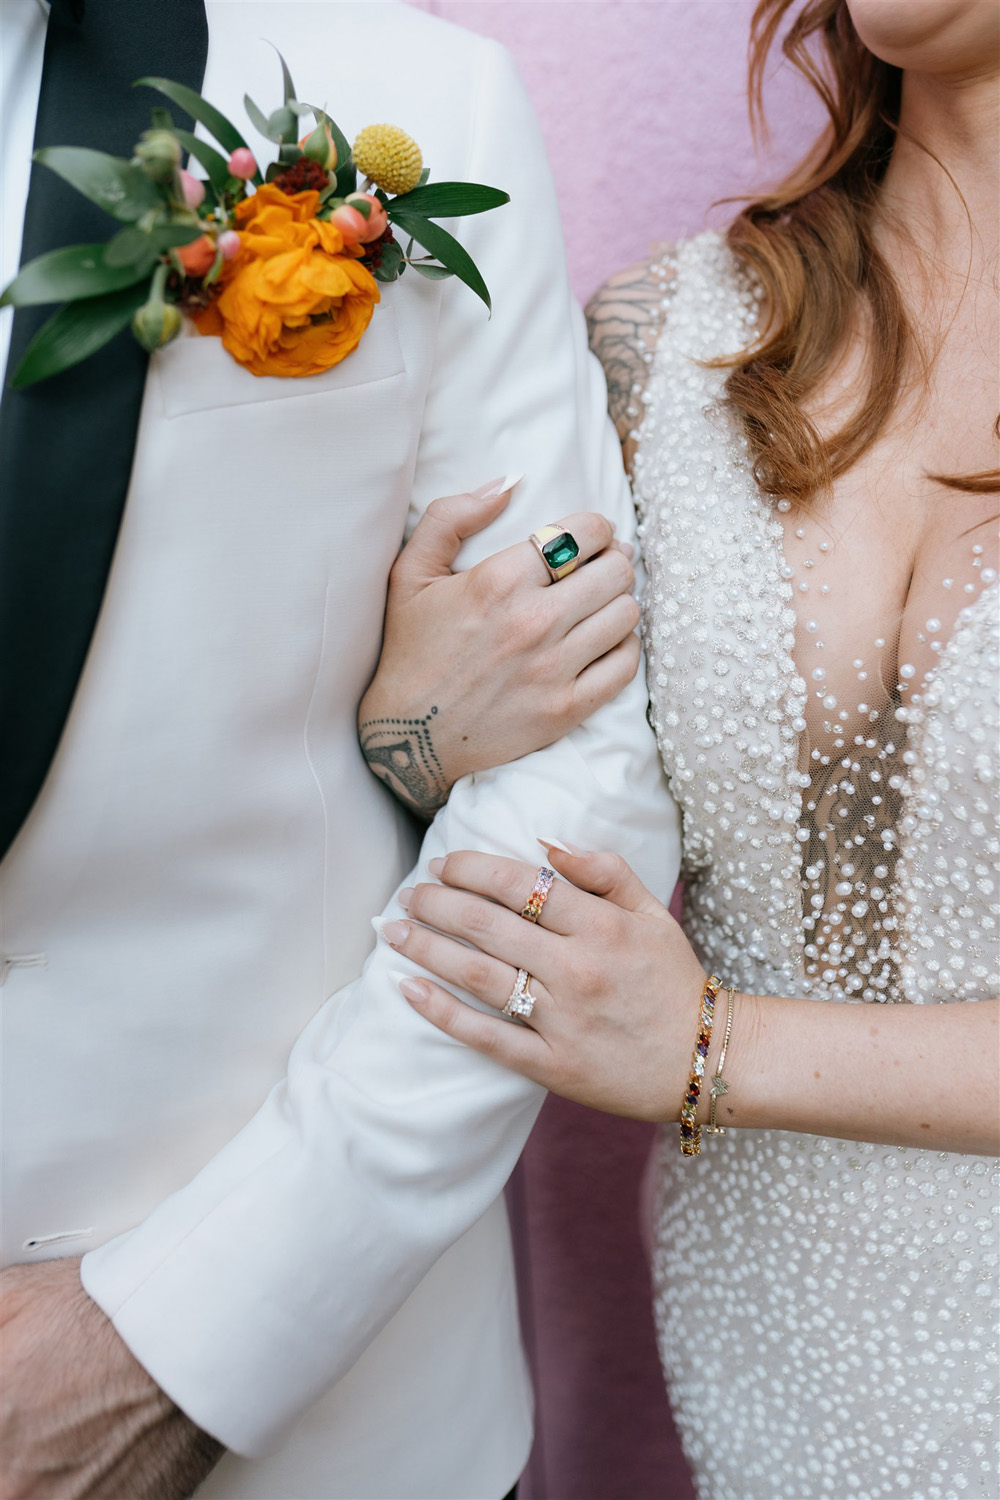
x,y
197,374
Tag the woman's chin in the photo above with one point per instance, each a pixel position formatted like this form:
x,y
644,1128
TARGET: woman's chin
x,y
950,38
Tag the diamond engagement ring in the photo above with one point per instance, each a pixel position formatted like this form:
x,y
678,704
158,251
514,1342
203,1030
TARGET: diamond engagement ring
x,y
522,1001
559,551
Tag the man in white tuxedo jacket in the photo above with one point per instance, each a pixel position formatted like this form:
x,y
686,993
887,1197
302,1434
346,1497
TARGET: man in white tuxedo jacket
x,y
290,1205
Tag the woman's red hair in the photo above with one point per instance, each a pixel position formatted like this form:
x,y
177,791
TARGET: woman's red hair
x,y
811,245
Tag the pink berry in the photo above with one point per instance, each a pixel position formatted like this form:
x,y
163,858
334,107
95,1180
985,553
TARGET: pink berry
x,y
193,189
351,224
229,243
242,163
377,221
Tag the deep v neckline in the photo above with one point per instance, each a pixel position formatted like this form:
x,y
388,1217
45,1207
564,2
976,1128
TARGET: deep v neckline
x,y
729,694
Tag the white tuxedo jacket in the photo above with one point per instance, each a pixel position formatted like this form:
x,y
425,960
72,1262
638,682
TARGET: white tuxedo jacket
x,y
291,1202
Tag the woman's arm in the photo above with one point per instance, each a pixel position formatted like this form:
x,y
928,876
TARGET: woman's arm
x,y
902,1075
624,321
617,990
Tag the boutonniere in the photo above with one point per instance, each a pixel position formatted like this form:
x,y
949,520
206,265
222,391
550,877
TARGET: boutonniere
x,y
283,266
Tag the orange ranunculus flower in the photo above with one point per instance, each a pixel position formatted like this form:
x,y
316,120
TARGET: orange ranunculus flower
x,y
295,300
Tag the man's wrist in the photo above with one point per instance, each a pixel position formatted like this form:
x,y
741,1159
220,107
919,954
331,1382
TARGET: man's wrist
x,y
401,751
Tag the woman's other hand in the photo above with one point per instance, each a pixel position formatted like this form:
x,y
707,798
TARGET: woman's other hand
x,y
481,667
616,984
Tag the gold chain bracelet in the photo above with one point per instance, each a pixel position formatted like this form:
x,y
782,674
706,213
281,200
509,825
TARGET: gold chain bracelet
x,y
719,1084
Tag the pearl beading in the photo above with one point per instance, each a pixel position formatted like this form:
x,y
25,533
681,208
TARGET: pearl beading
x,y
852,1286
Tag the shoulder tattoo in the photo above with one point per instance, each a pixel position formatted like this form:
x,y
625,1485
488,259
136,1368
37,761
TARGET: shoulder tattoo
x,y
624,320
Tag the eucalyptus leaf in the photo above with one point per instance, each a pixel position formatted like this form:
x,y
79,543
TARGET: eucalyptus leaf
x,y
433,273
424,176
448,200
122,190
447,249
215,269
215,164
392,260
75,332
347,176
283,126
392,266
206,114
74,271
134,247
286,78
258,118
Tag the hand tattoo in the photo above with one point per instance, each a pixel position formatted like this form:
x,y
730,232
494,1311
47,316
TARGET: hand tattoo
x,y
401,753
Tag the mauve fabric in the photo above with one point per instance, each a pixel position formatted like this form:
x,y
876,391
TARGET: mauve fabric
x,y
643,108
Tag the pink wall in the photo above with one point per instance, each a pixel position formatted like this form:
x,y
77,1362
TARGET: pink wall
x,y
643,105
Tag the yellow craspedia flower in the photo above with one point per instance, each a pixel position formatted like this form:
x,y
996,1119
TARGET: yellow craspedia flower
x,y
389,157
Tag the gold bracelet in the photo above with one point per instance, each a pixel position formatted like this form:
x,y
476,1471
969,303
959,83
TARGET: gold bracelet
x,y
690,1131
719,1084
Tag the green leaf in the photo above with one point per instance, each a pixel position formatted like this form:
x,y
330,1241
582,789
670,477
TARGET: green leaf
x,y
122,190
392,264
215,164
283,126
286,77
75,332
347,177
447,249
206,114
433,273
140,249
74,271
162,119
424,176
447,200
258,118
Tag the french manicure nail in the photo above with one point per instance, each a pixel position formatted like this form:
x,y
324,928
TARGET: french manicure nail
x,y
435,866
415,991
567,848
396,933
496,487
405,896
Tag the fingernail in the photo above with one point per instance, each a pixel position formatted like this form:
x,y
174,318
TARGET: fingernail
x,y
435,866
567,848
396,933
495,487
415,991
405,896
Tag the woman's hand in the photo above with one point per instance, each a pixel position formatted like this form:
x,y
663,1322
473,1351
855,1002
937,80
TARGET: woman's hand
x,y
616,984
617,989
481,667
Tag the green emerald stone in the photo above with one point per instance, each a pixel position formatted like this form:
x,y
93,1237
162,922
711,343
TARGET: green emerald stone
x,y
561,550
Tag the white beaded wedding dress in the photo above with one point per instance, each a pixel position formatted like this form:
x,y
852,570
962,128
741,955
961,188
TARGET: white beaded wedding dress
x,y
826,1309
